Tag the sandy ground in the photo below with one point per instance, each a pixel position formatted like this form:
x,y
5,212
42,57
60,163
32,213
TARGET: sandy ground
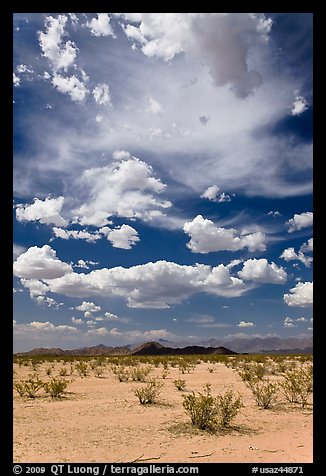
x,y
101,420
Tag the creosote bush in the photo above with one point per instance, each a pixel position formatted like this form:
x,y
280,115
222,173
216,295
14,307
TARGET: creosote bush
x,y
180,384
139,374
297,385
264,392
82,369
208,412
148,394
30,387
121,373
56,387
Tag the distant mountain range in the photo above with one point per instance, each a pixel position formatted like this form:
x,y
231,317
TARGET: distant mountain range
x,y
273,345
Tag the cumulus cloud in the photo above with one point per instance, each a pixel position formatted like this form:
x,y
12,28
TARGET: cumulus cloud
x,y
246,324
121,155
76,235
123,237
289,254
16,80
45,211
17,250
300,221
88,306
126,188
308,247
102,95
74,320
299,106
101,26
288,322
40,263
43,327
151,285
300,296
71,85
211,193
261,271
110,316
274,214
222,40
154,106
35,286
207,237
60,54
84,264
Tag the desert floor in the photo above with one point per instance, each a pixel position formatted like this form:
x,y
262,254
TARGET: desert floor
x,y
101,420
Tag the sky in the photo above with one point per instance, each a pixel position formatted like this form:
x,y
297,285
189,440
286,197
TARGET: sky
x,y
162,177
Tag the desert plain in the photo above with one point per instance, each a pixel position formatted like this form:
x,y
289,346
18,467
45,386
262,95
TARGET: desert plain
x,y
100,419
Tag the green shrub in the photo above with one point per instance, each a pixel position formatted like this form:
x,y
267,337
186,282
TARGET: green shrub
x,y
56,387
165,373
180,384
228,405
139,374
29,388
121,373
82,369
63,372
264,392
148,394
99,370
48,371
208,412
297,385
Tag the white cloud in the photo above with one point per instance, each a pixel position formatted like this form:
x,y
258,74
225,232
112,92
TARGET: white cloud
x,y
17,250
110,316
123,237
301,319
125,188
300,221
88,306
70,85
61,55
246,324
289,254
121,155
300,296
307,247
223,197
84,264
299,106
76,235
102,95
233,263
45,211
207,237
261,271
16,80
46,300
74,320
35,286
288,322
36,327
101,26
274,214
151,285
40,263
154,106
216,38
211,193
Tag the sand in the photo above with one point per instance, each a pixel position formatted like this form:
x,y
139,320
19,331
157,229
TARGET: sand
x,y
101,420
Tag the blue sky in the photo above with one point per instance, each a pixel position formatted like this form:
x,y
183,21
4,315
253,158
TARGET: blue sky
x,y
162,177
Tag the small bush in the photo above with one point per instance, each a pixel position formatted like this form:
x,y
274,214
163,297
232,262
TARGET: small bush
x,y
56,387
165,373
228,405
99,370
148,394
180,384
297,385
208,412
210,370
139,374
121,373
63,372
264,393
29,388
82,369
48,371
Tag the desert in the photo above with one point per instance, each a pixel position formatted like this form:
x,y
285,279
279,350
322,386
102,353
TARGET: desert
x,y
98,417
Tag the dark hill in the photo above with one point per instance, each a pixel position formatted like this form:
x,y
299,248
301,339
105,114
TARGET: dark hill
x,y
154,348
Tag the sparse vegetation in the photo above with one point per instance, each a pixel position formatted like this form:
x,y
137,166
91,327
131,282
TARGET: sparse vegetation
x,y
82,369
56,387
148,394
30,387
208,412
63,372
139,374
264,392
180,384
297,385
